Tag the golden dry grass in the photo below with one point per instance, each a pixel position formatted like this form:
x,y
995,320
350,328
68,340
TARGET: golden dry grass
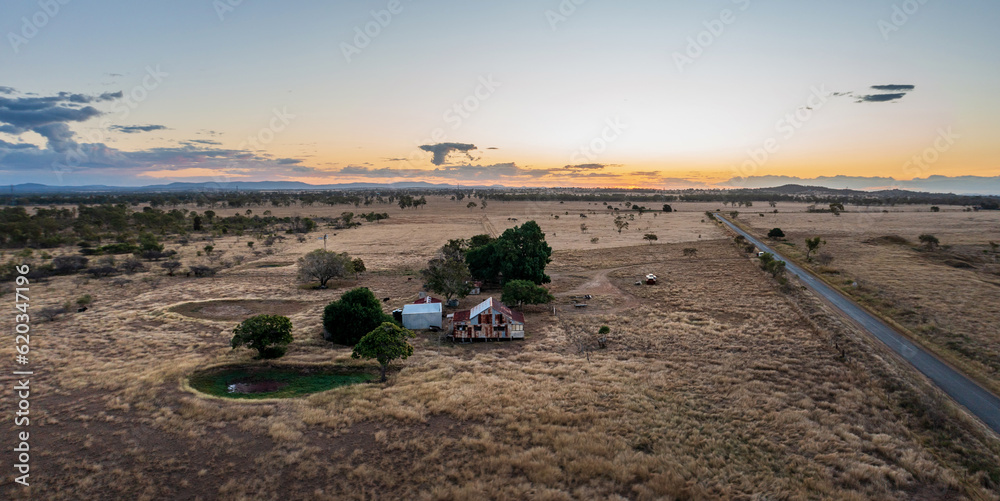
x,y
713,386
954,310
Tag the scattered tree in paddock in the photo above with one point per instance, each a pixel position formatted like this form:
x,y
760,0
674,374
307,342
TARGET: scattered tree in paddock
x,y
812,244
930,241
202,271
268,334
385,343
935,209
583,227
621,224
132,265
776,233
690,252
667,208
358,265
171,266
324,265
67,265
649,237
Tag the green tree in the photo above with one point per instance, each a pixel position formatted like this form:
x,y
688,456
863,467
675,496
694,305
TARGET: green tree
x,y
650,238
776,233
324,265
930,241
385,343
148,242
358,265
447,274
770,264
521,292
355,314
621,223
268,334
812,244
520,253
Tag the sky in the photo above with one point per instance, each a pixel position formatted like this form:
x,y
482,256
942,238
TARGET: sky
x,y
642,93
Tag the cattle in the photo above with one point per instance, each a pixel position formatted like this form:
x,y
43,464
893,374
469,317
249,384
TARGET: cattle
x,y
386,299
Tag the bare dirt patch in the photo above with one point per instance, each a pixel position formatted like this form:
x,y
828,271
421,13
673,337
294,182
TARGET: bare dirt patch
x,y
238,309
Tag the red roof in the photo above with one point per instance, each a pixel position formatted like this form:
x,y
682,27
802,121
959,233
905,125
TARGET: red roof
x,y
462,316
427,300
516,315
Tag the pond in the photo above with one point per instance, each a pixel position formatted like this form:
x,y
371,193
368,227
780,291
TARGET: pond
x,y
256,382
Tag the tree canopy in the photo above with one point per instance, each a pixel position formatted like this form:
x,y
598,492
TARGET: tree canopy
x,y
352,316
447,274
520,253
525,292
385,343
268,334
321,265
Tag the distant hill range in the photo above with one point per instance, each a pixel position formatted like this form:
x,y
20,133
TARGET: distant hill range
x,y
34,188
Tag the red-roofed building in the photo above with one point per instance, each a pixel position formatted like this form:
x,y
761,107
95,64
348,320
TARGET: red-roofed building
x,y
488,321
427,300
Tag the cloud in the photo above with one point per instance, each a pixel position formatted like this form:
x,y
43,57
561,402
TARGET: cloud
x,y
195,142
890,92
585,167
442,150
881,98
894,87
288,161
135,129
48,116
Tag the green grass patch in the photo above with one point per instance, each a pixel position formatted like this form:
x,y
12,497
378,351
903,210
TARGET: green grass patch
x,y
259,382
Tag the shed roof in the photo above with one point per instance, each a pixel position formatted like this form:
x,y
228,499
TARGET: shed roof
x,y
416,309
427,299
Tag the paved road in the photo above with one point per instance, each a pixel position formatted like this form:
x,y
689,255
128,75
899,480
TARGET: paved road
x,y
983,404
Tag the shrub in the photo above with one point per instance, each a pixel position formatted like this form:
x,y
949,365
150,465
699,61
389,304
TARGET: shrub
x,y
202,271
776,233
66,265
268,334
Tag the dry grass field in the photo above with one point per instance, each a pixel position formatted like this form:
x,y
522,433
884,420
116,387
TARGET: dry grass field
x,y
949,298
713,384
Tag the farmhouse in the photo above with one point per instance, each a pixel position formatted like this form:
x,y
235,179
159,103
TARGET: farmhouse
x,y
488,320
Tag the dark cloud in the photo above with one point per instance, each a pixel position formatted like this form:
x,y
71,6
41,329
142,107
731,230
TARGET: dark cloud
x,y
48,116
135,129
288,161
891,92
894,87
195,142
442,150
7,90
881,98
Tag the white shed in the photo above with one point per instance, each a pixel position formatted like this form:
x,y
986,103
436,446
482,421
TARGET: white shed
x,y
422,316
